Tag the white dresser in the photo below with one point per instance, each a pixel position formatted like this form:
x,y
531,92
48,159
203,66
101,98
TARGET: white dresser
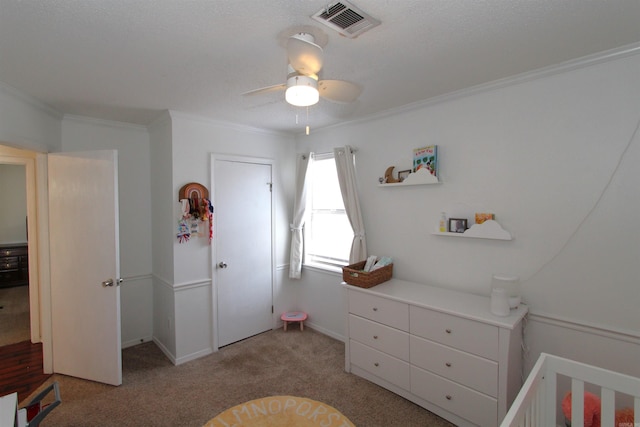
x,y
441,349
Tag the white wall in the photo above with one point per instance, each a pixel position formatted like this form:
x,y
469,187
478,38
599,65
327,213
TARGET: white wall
x,y
13,204
162,197
539,152
134,194
162,236
27,123
183,314
194,139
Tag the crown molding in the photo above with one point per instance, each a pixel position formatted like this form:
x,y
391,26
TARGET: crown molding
x,y
30,100
103,122
224,124
563,67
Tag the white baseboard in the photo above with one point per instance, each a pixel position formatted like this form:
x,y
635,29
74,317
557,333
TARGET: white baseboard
x,y
134,342
193,356
325,331
165,350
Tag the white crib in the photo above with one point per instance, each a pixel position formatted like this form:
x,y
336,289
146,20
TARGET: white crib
x,y
536,405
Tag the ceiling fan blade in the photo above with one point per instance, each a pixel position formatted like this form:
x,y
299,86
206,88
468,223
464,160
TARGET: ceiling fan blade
x,y
339,91
264,90
304,55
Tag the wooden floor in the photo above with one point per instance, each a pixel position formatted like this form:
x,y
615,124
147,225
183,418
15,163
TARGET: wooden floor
x,y
21,369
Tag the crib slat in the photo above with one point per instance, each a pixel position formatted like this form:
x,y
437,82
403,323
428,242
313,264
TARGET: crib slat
x,y
607,407
549,398
577,402
530,416
537,407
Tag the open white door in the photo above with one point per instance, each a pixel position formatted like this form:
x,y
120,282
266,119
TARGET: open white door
x,y
85,270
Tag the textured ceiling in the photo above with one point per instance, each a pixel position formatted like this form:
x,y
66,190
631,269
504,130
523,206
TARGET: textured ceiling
x,y
129,60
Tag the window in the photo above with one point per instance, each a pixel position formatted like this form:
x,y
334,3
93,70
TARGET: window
x,y
328,234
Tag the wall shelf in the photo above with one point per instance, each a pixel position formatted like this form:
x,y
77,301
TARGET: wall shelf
x,y
420,177
487,230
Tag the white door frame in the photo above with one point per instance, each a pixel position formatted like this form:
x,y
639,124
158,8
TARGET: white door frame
x,y
214,281
14,156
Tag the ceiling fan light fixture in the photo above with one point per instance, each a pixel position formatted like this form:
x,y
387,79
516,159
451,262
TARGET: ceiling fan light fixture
x,y
302,91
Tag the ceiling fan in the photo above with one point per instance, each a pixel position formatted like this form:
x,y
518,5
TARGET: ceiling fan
x,y
303,86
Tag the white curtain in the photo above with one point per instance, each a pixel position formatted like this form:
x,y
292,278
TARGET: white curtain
x,y
345,165
299,207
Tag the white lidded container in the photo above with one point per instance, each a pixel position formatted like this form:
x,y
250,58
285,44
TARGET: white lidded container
x,y
511,284
499,302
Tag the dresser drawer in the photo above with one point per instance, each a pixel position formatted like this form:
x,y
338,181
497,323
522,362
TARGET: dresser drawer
x,y
20,250
464,334
9,263
469,404
382,310
380,337
472,371
380,364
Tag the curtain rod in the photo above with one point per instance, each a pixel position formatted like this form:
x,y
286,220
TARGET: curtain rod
x,y
353,150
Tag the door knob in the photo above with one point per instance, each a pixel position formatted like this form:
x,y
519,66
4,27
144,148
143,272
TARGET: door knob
x,y
222,264
111,282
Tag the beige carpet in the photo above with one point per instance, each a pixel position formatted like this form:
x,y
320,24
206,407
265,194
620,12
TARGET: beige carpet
x,y
281,411
277,363
14,315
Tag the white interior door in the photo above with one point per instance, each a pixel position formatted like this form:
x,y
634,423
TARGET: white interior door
x,y
85,271
243,249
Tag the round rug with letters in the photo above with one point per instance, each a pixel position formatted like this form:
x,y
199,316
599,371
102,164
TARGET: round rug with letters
x,y
282,411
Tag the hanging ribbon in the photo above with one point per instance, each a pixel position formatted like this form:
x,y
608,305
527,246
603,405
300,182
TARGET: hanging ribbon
x,y
210,221
184,208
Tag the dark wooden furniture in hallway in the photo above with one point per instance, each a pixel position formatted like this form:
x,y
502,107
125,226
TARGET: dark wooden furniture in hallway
x,y
21,369
14,265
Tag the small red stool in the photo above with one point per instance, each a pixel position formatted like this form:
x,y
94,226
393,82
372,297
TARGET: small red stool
x,y
294,316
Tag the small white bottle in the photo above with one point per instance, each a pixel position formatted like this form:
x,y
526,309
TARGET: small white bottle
x,y
443,222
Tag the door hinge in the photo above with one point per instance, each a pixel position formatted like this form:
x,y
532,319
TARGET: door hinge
x,y
271,309
270,184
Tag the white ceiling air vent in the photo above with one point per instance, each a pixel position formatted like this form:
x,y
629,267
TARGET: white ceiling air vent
x,y
345,18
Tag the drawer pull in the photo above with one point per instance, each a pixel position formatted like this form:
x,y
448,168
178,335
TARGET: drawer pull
x,y
448,364
375,337
375,308
376,364
448,331
449,397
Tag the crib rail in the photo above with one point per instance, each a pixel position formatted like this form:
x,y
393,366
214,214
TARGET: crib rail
x,y
536,403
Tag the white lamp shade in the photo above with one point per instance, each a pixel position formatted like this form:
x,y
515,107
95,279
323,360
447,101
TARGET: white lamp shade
x,y
302,91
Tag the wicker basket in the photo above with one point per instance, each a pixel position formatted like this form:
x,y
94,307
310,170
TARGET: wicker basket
x,y
353,275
